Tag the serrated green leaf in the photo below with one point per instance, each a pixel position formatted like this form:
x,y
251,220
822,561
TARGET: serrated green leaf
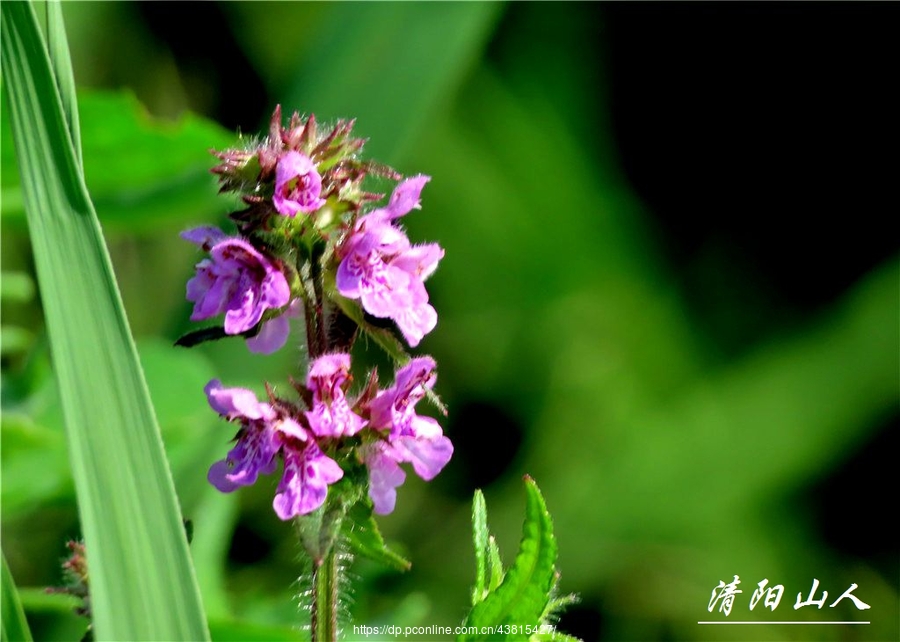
x,y
480,542
362,535
553,637
142,583
525,591
15,626
495,563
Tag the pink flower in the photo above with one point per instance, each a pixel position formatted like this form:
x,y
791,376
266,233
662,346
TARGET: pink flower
x,y
385,272
241,282
412,438
304,485
257,441
297,185
331,415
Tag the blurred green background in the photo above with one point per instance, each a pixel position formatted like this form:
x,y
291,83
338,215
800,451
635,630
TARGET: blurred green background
x,y
669,295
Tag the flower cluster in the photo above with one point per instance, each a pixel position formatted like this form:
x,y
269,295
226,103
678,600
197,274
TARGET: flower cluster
x,y
380,430
304,190
312,243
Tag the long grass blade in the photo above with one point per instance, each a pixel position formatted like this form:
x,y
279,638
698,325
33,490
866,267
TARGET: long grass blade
x,y
142,580
14,625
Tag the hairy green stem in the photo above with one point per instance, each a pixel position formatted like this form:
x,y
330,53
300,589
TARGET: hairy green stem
x,y
324,620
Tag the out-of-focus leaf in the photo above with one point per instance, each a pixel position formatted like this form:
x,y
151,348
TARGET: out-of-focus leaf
x,y
35,467
14,625
14,339
16,286
143,173
337,70
227,630
142,583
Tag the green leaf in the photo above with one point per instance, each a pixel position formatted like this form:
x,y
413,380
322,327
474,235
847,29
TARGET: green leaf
x,y
495,564
61,64
143,173
142,581
480,542
15,626
553,637
362,535
228,630
16,286
525,591
428,48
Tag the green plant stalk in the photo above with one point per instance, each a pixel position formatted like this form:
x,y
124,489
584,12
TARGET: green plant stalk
x,y
324,620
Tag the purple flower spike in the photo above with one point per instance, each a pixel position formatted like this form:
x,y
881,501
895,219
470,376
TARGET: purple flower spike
x,y
307,474
237,280
331,415
297,185
257,441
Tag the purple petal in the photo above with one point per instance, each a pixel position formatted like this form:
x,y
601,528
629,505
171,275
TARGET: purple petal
x,y
420,260
274,291
205,236
291,428
236,402
334,420
427,456
297,185
328,372
384,478
416,322
218,477
385,291
254,454
244,315
349,276
271,337
304,485
406,195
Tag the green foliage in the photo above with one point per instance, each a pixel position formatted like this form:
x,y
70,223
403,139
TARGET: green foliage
x,y
364,539
523,600
14,627
143,174
129,512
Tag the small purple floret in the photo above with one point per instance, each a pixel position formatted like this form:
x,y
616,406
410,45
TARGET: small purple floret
x,y
385,272
304,485
298,185
385,476
238,280
257,441
412,438
331,415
